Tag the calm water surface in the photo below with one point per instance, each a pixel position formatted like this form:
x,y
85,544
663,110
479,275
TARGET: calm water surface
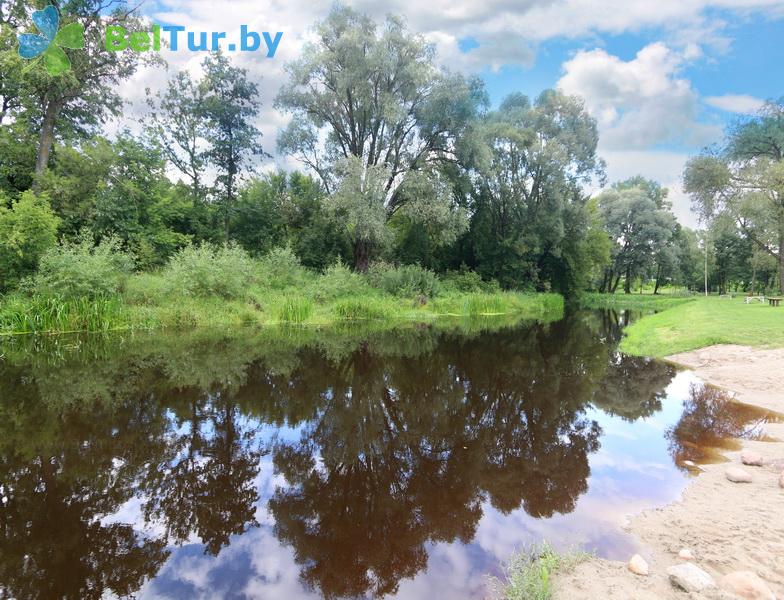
x,y
351,463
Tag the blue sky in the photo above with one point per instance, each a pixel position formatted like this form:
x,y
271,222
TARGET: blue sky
x,y
663,78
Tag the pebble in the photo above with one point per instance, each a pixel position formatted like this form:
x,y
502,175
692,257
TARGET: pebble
x,y
751,459
690,578
637,565
689,463
738,475
685,554
746,585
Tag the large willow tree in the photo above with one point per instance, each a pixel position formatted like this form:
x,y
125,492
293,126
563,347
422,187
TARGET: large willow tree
x,y
377,120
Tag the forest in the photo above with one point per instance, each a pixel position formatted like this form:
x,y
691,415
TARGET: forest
x,y
414,192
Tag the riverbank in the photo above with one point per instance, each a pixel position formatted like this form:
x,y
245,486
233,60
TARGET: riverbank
x,y
728,527
702,322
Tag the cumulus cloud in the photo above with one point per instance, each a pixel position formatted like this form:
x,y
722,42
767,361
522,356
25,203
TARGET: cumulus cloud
x,y
736,103
638,103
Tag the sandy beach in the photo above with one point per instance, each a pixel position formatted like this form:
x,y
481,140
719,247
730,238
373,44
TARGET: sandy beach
x,y
728,527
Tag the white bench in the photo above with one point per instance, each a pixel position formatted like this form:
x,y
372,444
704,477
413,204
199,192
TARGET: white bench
x,y
750,299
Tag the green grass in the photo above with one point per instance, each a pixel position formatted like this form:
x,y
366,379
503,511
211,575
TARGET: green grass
x,y
704,322
529,574
148,302
633,301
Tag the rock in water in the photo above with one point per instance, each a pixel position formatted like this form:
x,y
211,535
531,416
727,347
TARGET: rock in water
x,y
690,578
746,585
637,565
738,475
751,459
685,554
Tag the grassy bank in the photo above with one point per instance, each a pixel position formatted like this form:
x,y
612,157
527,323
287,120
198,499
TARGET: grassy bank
x,y
703,322
529,574
632,301
148,303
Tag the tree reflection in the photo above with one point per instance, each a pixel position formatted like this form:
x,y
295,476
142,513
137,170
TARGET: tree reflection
x,y
405,437
711,419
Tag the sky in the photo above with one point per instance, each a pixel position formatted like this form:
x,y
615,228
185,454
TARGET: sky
x,y
662,78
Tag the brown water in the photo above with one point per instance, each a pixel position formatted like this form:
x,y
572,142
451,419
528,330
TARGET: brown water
x,y
352,463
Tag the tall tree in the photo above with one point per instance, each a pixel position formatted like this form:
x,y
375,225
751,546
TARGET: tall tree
x,y
230,105
372,98
640,224
744,180
75,102
529,205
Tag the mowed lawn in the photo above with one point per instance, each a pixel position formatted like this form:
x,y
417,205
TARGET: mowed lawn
x,y
704,322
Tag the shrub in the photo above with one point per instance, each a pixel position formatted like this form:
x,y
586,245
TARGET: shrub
x,y
209,270
146,289
84,269
406,280
27,230
280,268
465,281
295,310
340,281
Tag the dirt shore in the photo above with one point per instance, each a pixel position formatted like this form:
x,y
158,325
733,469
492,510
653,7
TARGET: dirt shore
x,y
727,526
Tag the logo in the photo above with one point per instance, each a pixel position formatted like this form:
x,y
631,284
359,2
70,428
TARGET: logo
x,y
50,43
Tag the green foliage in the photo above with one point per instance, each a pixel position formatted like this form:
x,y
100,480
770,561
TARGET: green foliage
x,y
361,308
404,281
295,309
45,313
467,281
340,281
280,268
529,574
27,230
210,270
82,269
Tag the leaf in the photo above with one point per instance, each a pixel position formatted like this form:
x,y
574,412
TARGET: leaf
x,y
47,21
56,61
71,36
31,45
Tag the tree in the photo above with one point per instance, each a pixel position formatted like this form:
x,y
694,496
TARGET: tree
x,y
640,224
229,106
744,180
529,206
365,99
75,102
27,230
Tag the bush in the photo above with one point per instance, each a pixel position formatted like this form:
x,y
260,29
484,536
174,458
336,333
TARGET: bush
x,y
339,281
82,269
209,270
280,268
355,309
465,281
405,281
27,230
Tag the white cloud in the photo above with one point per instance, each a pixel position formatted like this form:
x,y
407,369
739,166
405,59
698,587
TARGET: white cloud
x,y
736,103
638,103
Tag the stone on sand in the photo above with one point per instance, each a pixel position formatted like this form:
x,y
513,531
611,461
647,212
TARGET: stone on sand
x,y
686,554
751,459
690,578
781,479
637,565
746,585
738,475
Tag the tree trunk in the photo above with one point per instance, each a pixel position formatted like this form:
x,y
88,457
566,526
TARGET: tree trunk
x,y
617,281
627,285
46,139
361,255
658,274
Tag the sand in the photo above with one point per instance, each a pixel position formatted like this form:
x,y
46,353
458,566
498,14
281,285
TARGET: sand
x,y
728,526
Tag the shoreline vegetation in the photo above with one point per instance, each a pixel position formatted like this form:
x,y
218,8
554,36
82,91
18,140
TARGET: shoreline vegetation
x,y
82,288
683,323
